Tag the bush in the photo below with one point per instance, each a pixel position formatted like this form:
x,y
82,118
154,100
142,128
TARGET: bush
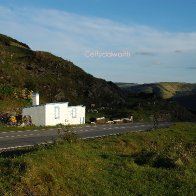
x,y
67,134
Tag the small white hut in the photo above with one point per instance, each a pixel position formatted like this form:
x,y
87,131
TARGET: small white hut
x,y
51,114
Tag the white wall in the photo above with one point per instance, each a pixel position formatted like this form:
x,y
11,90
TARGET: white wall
x,y
76,115
56,113
37,114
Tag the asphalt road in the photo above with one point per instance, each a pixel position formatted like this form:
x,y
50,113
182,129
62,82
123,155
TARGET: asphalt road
x,y
18,139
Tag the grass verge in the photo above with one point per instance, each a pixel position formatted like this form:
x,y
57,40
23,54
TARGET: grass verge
x,y
160,162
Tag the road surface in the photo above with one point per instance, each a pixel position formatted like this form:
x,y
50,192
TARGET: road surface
x,y
18,139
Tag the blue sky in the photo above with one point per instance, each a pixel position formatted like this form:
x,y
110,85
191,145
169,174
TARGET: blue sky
x,y
158,35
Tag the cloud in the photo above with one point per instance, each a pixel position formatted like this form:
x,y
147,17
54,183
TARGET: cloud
x,y
70,35
157,62
78,33
178,51
191,67
146,53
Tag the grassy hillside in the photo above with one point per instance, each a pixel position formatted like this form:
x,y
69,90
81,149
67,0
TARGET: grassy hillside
x,y
56,79
188,101
125,85
163,90
8,41
160,162
183,93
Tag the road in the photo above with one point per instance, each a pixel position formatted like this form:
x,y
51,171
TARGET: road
x,y
18,139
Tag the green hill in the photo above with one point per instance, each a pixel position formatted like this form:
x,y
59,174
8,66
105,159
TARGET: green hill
x,y
8,41
163,90
183,93
125,85
56,79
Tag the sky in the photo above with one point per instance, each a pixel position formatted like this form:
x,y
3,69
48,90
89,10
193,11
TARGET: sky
x,y
136,41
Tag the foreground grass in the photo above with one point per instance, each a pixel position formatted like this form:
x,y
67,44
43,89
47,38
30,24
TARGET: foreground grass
x,y
160,162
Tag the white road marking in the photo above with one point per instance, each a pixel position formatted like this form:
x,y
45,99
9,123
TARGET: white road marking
x,y
93,129
14,147
12,136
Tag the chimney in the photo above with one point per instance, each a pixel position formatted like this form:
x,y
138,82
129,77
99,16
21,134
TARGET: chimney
x,y
35,99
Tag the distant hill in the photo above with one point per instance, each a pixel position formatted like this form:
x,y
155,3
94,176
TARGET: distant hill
x,y
56,79
184,93
163,90
125,85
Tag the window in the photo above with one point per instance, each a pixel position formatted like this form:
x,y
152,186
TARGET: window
x,y
82,120
74,113
56,112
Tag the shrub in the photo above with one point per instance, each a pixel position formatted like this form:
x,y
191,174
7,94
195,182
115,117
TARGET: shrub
x,y
67,134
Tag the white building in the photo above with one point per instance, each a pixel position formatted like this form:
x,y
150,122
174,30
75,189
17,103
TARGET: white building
x,y
52,114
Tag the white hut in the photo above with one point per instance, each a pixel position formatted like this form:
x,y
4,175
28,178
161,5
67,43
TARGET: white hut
x,y
51,114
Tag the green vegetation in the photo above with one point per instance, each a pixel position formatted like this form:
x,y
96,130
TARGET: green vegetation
x,y
10,105
182,93
162,90
160,162
54,78
7,128
8,41
143,107
125,85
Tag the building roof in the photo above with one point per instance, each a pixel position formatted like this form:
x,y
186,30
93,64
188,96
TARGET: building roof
x,y
47,104
53,104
